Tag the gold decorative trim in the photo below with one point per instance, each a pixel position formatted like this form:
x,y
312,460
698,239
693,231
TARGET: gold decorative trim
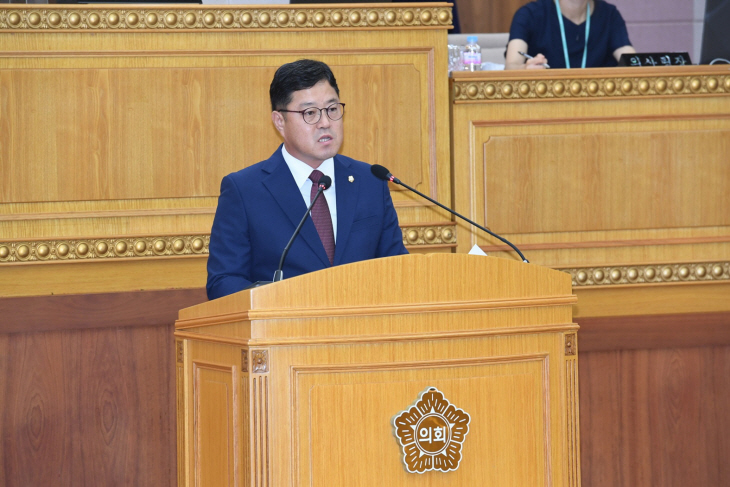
x,y
216,18
260,361
244,361
180,351
429,234
650,274
590,89
85,249
571,344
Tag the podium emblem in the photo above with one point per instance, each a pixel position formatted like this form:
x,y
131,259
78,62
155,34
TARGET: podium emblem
x,y
431,433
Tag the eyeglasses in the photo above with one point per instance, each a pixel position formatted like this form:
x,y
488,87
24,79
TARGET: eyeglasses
x,y
313,115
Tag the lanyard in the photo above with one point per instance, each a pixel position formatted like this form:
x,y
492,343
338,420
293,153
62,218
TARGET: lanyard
x,y
562,33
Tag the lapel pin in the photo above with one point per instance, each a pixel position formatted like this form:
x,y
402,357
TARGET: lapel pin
x,y
351,179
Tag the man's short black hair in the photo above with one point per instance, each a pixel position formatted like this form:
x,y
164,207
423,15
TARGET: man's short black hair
x,y
296,76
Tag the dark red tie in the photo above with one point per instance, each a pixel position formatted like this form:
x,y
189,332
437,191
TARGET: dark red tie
x,y
322,218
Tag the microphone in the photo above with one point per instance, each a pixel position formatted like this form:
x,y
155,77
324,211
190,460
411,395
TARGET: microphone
x,y
324,183
382,173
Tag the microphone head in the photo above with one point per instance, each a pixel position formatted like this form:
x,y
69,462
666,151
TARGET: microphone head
x,y
381,173
325,182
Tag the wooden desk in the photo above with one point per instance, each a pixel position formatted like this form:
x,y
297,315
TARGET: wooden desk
x,y
621,178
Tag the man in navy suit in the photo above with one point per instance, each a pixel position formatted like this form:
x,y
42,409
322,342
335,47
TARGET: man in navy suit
x,y
260,206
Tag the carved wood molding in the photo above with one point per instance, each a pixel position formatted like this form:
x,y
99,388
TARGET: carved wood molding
x,y
572,420
584,88
179,18
599,244
649,274
571,344
298,370
259,361
85,249
415,235
334,312
380,338
261,430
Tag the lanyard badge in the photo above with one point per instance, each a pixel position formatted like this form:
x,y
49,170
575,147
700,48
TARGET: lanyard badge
x,y
562,33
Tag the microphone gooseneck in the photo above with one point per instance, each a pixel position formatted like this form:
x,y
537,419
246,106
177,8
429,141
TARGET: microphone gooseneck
x,y
381,172
324,183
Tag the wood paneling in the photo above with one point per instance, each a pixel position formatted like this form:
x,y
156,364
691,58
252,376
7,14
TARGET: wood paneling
x,y
655,417
103,276
174,132
493,16
564,162
671,299
654,400
87,388
604,172
83,311
636,174
121,126
117,127
89,407
330,367
514,381
654,331
608,171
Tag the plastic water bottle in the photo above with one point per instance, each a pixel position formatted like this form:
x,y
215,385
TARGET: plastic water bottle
x,y
472,55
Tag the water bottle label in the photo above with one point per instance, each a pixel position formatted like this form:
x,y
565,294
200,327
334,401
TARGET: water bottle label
x,y
472,58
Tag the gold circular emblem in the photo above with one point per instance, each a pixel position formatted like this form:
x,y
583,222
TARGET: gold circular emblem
x,y
431,433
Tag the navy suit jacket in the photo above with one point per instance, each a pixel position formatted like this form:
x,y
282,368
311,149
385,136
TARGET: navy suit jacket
x,y
260,206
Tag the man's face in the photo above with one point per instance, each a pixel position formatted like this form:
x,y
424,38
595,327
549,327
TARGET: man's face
x,y
315,143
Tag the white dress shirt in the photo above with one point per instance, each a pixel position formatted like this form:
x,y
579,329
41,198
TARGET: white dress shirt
x,y
301,172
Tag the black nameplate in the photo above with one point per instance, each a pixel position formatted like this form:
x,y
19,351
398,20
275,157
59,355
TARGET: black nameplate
x,y
655,59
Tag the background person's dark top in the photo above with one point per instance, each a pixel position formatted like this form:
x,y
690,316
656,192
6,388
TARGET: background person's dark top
x,y
537,24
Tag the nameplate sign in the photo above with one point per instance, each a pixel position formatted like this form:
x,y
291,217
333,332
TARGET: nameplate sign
x,y
655,59
431,433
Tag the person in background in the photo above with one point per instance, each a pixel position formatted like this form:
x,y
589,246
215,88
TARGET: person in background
x,y
567,34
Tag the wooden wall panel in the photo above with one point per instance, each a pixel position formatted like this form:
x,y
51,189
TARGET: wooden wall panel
x,y
655,417
487,16
215,387
92,407
597,171
87,388
611,333
603,173
323,415
636,173
156,133
116,129
30,314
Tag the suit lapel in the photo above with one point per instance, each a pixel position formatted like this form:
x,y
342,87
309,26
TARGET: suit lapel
x,y
347,195
280,183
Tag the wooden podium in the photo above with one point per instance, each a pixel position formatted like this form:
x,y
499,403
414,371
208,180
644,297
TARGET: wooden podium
x,y
300,382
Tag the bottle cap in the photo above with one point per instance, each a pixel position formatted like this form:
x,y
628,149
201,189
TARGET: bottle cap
x,y
471,39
